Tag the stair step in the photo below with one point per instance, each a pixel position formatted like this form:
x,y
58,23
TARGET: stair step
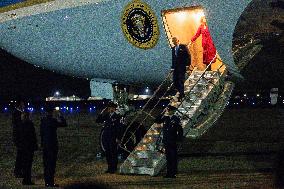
x,y
146,154
142,170
150,163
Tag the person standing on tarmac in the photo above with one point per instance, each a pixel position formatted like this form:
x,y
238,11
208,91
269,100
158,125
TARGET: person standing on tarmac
x,y
172,133
29,146
111,136
49,143
16,125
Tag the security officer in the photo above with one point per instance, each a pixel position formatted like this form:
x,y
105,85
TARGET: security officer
x,y
172,133
49,142
111,136
16,125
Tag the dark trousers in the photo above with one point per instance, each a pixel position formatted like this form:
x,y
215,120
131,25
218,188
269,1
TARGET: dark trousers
x,y
111,156
178,80
172,158
49,163
19,162
27,165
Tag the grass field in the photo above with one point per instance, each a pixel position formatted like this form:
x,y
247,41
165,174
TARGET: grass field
x,y
238,152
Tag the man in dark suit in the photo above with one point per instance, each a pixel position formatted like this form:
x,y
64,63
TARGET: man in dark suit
x,y
172,133
49,143
29,145
180,59
111,136
16,125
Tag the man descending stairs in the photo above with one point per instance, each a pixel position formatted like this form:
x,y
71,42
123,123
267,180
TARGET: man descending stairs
x,y
201,90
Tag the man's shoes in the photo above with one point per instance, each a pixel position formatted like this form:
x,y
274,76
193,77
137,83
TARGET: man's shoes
x,y
170,176
181,97
51,185
28,183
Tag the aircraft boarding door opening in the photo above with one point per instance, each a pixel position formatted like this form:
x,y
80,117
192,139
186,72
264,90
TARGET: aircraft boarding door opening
x,y
183,23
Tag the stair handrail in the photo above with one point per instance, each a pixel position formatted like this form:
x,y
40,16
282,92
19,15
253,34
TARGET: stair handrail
x,y
144,107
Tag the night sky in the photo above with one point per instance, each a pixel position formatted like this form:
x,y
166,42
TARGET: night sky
x,y
18,78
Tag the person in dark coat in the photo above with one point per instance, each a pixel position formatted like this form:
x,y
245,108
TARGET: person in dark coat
x,y
49,143
172,133
111,136
16,125
180,60
29,146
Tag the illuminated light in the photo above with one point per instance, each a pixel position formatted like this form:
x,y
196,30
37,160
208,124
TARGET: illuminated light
x,y
5,109
94,107
258,95
28,103
198,15
57,108
181,16
163,105
245,95
41,108
147,90
57,93
90,109
77,107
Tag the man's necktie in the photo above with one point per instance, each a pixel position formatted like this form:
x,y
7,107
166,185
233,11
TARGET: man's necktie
x,y
176,50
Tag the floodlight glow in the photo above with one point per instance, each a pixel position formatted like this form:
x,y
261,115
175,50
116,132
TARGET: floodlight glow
x,y
57,108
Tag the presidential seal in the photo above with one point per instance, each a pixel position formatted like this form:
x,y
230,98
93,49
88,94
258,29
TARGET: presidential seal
x,y
140,25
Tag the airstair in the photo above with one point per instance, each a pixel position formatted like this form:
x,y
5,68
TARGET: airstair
x,y
206,95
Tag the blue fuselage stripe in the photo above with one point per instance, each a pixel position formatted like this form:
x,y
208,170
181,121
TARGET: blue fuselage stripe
x,y
4,3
